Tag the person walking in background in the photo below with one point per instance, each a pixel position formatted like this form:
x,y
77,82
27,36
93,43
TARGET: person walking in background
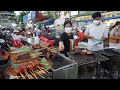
x,y
37,31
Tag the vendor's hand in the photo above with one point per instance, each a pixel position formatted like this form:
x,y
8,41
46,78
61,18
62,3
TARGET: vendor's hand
x,y
91,37
61,47
118,37
102,39
76,47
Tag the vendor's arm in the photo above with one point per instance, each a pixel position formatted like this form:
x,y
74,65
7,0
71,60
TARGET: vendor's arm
x,y
112,35
24,38
61,43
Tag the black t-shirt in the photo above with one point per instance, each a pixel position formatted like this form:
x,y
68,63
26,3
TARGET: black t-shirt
x,y
65,39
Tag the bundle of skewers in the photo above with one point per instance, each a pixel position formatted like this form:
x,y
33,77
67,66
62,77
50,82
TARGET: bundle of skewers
x,y
29,70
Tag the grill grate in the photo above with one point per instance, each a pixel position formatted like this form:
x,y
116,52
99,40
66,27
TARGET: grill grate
x,y
109,52
86,59
114,59
116,50
59,61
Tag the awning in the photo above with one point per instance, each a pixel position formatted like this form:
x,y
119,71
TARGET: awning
x,y
25,19
48,22
35,16
107,18
90,12
38,17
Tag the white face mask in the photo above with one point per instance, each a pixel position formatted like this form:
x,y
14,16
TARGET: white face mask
x,y
68,30
96,22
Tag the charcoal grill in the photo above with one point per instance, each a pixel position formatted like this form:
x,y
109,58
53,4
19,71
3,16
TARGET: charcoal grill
x,y
109,52
113,55
114,60
86,59
59,61
116,50
64,68
87,63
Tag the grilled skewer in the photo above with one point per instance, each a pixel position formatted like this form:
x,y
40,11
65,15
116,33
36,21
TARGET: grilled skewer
x,y
40,68
22,75
39,74
33,74
27,75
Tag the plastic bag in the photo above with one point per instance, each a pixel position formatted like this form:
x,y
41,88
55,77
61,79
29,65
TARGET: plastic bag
x,y
82,45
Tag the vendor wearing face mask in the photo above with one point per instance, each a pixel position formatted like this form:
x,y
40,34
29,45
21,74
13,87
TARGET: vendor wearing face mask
x,y
114,35
65,43
96,32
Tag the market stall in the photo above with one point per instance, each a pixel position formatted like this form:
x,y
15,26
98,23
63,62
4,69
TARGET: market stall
x,y
40,60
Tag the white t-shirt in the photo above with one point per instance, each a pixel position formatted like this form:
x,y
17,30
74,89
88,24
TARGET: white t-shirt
x,y
80,30
37,31
97,32
114,32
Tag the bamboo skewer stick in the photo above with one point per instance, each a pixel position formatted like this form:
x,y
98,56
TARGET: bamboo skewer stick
x,y
39,74
17,77
43,69
29,75
22,75
32,72
34,75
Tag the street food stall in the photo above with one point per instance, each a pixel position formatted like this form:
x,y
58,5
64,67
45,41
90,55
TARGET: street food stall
x,y
40,61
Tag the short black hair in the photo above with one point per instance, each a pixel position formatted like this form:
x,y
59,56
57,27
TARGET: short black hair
x,y
23,29
117,23
20,31
67,22
96,14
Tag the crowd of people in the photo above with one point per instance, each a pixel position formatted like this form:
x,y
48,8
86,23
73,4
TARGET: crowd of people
x,y
95,32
